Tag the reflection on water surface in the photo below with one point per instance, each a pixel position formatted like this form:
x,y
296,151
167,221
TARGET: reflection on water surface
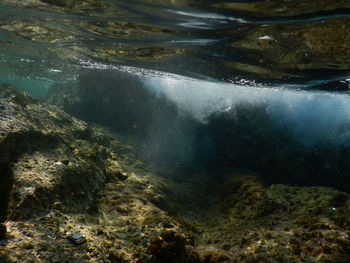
x,y
266,41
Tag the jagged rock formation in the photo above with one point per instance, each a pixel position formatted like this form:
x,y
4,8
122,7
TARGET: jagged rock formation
x,y
58,179
72,192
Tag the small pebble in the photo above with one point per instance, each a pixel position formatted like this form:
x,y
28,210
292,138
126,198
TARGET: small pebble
x,y
77,238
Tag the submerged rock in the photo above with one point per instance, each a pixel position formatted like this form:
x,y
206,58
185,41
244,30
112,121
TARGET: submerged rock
x,y
279,223
57,178
77,238
169,247
115,209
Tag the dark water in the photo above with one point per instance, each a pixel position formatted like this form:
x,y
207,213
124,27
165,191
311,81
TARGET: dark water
x,y
259,85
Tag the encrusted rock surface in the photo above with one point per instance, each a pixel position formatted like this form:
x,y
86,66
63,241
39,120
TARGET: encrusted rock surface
x,y
73,192
280,223
60,180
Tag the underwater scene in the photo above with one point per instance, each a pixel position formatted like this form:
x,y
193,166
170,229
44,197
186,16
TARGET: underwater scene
x,y
175,131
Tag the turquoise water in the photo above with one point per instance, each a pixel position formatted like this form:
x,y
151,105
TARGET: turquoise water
x,y
37,88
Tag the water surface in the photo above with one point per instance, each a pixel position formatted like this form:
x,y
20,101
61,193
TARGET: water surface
x,y
257,41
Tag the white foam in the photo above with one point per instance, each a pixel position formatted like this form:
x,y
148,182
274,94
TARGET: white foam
x,y
312,116
209,16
